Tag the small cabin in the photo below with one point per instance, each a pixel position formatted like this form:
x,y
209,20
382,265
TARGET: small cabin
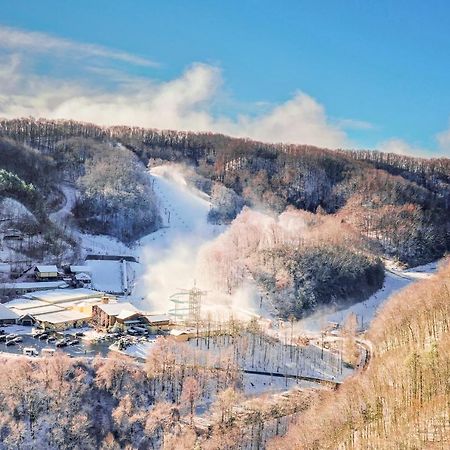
x,y
46,272
183,335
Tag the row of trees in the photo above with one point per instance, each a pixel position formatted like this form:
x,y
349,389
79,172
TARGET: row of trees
x,y
109,403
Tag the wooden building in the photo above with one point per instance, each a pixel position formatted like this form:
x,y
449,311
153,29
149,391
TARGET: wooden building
x,y
62,320
109,314
157,323
42,272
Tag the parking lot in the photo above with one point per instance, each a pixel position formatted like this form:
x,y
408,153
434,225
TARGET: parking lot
x,y
84,348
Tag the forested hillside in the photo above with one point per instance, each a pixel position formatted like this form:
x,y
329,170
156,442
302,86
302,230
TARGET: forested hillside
x,y
317,224
402,401
300,260
110,403
401,204
116,196
114,192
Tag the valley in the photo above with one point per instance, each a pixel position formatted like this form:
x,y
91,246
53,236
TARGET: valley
x,y
232,324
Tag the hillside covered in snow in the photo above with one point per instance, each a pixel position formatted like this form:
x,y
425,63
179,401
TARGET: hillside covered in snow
x,y
281,229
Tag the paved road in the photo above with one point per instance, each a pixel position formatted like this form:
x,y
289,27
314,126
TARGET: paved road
x,y
295,377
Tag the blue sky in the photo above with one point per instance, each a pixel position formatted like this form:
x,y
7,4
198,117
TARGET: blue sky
x,y
337,73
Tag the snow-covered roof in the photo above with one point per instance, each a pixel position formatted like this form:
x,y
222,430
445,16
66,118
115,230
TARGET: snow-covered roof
x,y
63,316
178,332
155,318
43,268
107,275
34,285
23,303
114,309
126,313
64,295
82,276
7,314
79,269
39,310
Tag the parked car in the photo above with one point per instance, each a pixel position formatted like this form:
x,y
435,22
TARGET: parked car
x,y
18,339
51,339
61,343
74,342
140,330
10,337
2,332
79,334
10,342
36,332
47,352
43,336
30,351
2,337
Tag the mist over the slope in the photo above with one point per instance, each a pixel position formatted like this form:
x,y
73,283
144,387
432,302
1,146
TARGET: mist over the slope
x,y
170,257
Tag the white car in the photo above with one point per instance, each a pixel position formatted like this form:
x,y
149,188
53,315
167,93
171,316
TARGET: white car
x,y
30,351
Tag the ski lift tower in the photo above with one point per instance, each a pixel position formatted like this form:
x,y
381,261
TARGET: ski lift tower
x,y
187,305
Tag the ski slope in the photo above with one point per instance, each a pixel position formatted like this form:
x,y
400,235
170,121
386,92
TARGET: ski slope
x,y
168,256
395,280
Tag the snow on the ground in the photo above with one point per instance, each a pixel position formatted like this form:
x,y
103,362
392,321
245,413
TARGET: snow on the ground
x,y
259,384
395,280
65,212
262,355
14,209
90,243
168,256
5,267
17,329
106,276
103,245
90,334
138,350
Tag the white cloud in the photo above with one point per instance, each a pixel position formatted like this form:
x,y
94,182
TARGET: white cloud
x,y
300,120
182,103
96,91
401,147
443,140
100,93
32,41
